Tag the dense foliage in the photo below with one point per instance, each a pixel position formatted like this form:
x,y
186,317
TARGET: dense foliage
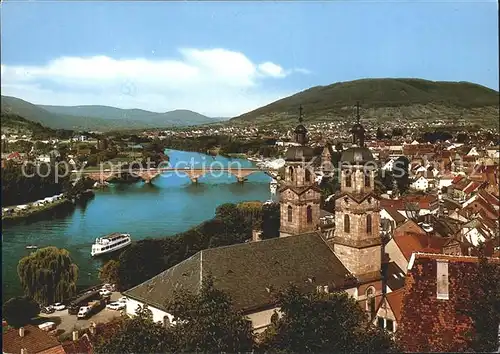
x,y
322,323
48,275
207,322
137,335
209,325
18,311
24,184
109,273
147,258
485,313
270,224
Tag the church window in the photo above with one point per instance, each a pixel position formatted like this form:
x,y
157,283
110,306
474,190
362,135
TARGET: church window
x,y
290,173
308,175
309,213
290,211
348,180
367,179
347,224
368,224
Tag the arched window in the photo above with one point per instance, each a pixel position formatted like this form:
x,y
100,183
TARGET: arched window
x,y
368,224
308,175
290,211
347,224
348,179
370,301
290,173
309,213
367,179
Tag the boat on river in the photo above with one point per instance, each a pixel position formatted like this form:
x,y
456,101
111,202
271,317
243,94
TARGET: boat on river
x,y
110,243
31,247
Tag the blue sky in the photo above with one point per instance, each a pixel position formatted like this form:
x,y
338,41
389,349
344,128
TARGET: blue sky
x,y
226,58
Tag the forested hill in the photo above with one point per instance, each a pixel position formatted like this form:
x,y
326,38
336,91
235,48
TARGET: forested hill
x,y
102,118
384,99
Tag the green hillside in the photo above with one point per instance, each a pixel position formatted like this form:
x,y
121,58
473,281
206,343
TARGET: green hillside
x,y
177,117
384,99
15,124
100,118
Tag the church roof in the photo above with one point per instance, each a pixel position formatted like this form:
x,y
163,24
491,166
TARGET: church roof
x,y
299,153
299,189
249,271
357,155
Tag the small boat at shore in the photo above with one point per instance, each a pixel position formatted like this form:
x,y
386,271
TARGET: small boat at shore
x,y
110,243
31,247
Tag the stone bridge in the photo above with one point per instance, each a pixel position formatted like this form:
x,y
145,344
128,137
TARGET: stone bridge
x,y
193,173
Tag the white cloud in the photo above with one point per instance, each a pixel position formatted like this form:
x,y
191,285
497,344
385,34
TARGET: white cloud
x,y
215,82
271,69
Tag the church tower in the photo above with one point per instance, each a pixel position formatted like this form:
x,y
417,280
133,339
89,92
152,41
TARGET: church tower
x,y
356,240
299,196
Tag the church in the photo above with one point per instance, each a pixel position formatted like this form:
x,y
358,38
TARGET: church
x,y
347,258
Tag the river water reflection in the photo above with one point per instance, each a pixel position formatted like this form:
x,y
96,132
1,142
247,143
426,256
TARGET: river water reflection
x,y
170,205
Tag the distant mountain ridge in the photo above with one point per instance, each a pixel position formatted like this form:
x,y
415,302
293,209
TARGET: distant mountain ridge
x,y
383,99
102,118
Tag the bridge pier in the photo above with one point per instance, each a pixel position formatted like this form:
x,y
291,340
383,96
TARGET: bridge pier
x,y
194,180
241,179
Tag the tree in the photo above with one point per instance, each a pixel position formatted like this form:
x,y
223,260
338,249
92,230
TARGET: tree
x,y
18,311
48,275
485,313
322,323
271,217
380,134
401,172
109,273
137,335
207,322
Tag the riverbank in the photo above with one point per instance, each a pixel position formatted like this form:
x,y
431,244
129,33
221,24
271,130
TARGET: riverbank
x,y
168,206
37,211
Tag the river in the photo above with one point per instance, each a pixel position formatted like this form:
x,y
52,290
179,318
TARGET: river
x,y
169,205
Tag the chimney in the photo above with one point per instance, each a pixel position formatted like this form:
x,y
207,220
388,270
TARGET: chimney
x,y
92,329
21,332
75,336
24,351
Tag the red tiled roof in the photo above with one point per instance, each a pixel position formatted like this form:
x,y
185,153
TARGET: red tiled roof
x,y
473,186
34,340
395,300
410,243
82,345
395,214
457,179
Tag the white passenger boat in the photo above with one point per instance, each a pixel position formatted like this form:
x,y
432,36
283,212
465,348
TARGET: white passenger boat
x,y
110,243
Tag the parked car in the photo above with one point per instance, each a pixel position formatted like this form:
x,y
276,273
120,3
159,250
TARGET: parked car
x,y
122,299
83,312
58,306
47,309
104,292
116,306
